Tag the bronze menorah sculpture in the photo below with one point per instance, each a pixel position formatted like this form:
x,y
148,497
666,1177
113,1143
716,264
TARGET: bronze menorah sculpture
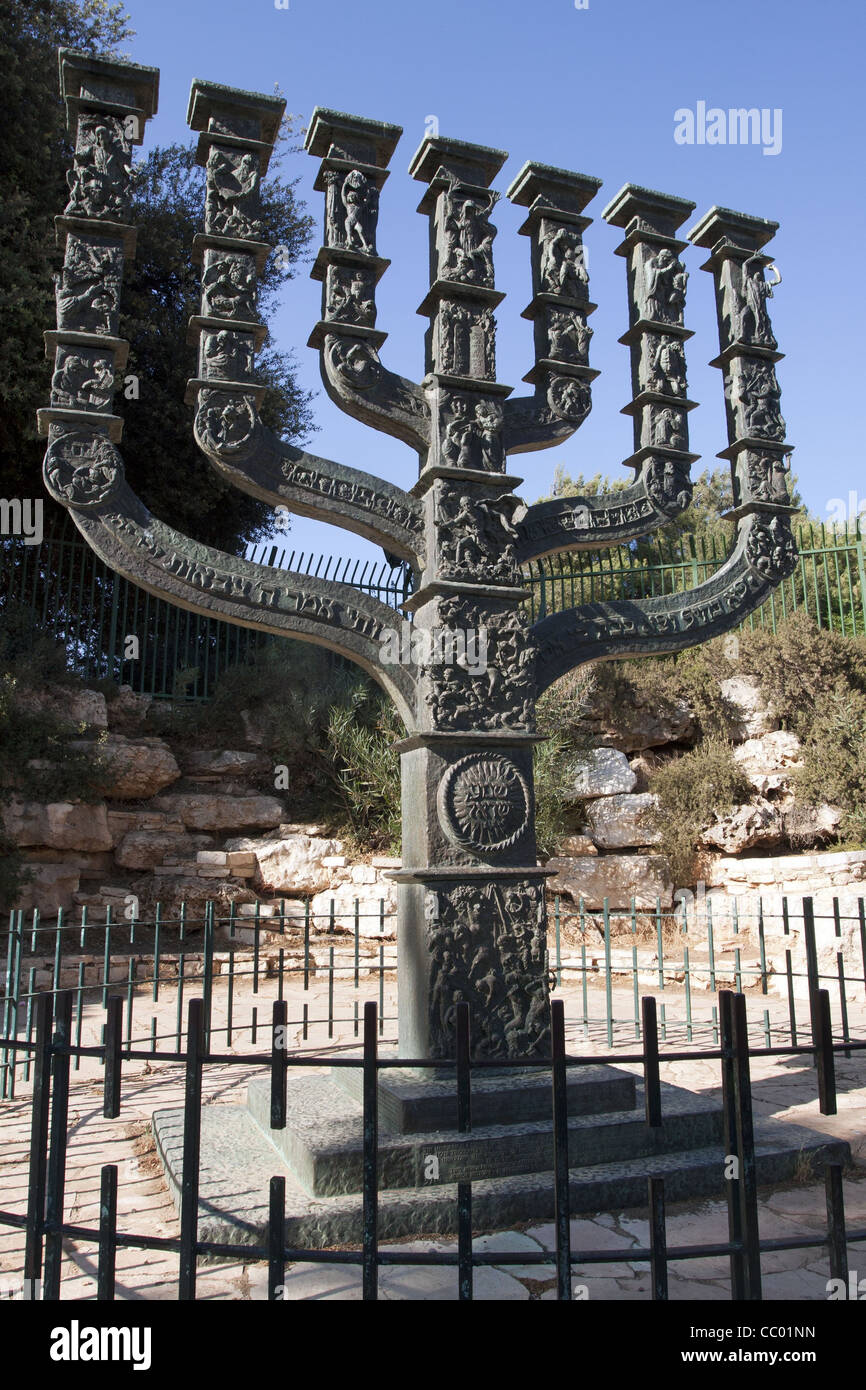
x,y
472,921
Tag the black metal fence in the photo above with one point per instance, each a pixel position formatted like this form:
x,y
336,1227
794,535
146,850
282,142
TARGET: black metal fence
x,y
46,1229
684,955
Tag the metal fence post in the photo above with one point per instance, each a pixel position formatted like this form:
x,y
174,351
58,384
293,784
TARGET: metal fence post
x,y
38,1147
56,1182
191,1151
371,1153
107,1233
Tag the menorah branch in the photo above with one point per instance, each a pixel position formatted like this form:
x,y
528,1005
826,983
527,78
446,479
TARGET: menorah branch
x,y
764,555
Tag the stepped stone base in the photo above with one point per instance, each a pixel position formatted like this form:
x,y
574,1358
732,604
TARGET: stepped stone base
x,y
508,1156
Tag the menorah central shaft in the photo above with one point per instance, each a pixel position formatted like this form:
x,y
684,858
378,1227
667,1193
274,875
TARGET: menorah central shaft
x,y
463,664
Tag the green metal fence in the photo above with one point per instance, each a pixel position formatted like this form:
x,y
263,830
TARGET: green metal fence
x,y
782,951
69,593
829,581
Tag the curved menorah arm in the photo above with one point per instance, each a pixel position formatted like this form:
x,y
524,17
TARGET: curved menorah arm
x,y
84,472
355,153
255,460
764,555
604,519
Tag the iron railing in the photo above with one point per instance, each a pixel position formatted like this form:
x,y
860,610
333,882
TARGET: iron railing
x,y
829,581
607,956
45,1227
73,596
70,594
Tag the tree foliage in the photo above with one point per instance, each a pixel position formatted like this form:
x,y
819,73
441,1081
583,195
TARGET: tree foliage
x,y
161,288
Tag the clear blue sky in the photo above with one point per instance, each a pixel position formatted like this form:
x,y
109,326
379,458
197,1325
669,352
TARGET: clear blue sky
x,y
593,90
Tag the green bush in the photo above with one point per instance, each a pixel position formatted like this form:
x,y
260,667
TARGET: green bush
x,y
361,735
37,760
814,682
691,789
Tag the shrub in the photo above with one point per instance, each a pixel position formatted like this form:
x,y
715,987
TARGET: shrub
x,y
691,789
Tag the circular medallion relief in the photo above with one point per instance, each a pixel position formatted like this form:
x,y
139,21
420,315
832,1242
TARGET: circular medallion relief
x,y
483,803
82,469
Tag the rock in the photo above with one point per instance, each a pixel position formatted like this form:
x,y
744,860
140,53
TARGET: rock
x,y
171,891
128,711
254,730
216,762
58,824
370,910
635,727
145,849
769,760
643,769
620,822
601,772
807,825
69,704
52,886
576,846
242,862
122,823
294,865
617,877
132,769
790,873
315,829
213,811
385,861
749,708
758,823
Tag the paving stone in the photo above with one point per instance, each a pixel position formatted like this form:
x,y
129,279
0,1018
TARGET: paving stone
x,y
515,1243
796,1284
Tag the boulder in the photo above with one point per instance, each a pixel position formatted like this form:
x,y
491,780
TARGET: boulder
x,y
620,822
375,907
216,762
127,712
144,849
294,865
808,825
58,825
52,886
170,891
600,772
751,718
575,846
635,727
617,877
757,823
79,707
768,761
133,769
212,811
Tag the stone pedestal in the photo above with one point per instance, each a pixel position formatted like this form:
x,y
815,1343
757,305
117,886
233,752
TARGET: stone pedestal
x,y
508,1156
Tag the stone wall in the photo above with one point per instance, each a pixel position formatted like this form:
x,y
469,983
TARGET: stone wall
x,y
180,824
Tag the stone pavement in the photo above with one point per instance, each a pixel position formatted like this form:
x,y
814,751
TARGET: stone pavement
x,y
783,1088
